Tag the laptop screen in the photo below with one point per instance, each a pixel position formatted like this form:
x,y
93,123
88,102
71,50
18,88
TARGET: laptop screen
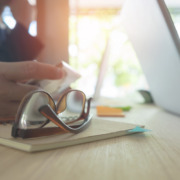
x,y
154,37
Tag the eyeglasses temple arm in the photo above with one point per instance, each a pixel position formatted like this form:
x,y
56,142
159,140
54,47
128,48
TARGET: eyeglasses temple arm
x,y
85,114
49,113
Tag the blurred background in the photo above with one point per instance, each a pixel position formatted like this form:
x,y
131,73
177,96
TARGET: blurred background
x,y
86,33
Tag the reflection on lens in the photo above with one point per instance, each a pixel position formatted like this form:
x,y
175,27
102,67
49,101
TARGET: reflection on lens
x,y
71,106
30,116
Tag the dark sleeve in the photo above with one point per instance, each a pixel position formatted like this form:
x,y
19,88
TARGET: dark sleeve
x,y
19,45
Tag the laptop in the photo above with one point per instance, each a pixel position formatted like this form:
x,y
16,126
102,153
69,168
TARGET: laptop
x,y
153,35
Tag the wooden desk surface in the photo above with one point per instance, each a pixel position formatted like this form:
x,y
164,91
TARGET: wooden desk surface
x,y
147,156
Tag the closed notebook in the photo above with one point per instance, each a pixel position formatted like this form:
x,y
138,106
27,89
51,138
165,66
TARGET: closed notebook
x,y
98,130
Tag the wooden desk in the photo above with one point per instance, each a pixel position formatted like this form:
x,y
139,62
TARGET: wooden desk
x,y
153,155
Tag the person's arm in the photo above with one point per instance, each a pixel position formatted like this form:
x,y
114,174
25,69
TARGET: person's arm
x,y
13,90
23,12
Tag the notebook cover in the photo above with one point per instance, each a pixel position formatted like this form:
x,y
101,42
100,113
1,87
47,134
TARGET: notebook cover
x,y
98,130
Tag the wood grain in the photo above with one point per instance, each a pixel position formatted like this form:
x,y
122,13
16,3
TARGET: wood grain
x,y
147,156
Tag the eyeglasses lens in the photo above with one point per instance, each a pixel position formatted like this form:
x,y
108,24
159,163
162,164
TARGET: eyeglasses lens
x,y
71,107
30,116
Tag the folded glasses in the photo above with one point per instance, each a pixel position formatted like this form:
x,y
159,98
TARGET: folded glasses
x,y
38,109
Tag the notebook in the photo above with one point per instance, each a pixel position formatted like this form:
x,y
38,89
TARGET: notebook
x,y
98,130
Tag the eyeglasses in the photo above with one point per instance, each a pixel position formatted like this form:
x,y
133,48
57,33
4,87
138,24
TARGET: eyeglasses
x,y
38,109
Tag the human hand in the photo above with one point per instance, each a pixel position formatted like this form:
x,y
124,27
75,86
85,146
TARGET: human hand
x,y
23,12
13,90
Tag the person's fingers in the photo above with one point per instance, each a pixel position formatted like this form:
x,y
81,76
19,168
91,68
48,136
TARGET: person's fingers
x,y
30,70
21,90
11,91
8,110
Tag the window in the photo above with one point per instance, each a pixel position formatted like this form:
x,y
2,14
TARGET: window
x,y
90,31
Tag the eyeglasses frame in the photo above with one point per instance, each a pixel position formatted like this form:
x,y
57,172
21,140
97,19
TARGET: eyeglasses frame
x,y
51,114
